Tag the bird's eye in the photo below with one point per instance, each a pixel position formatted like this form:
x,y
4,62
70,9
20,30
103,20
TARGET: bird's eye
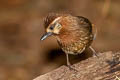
x,y
51,27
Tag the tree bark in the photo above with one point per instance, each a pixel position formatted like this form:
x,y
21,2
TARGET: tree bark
x,y
104,67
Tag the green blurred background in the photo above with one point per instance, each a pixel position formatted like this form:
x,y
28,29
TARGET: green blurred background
x,y
23,56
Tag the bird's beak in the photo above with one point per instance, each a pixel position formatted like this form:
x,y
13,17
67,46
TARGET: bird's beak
x,y
47,34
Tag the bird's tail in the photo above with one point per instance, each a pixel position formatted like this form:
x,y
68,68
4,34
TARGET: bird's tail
x,y
95,32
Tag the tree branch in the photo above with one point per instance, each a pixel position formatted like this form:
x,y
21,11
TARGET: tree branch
x,y
106,67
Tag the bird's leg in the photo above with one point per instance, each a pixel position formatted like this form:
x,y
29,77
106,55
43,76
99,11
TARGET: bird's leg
x,y
69,65
68,62
93,50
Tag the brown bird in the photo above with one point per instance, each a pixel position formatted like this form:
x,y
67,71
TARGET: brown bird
x,y
74,33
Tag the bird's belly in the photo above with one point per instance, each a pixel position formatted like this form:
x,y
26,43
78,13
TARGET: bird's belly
x,y
74,48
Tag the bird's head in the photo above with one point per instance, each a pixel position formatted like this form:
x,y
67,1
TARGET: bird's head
x,y
53,28
53,25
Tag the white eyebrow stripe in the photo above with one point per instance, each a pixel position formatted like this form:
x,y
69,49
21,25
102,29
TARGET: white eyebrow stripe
x,y
56,20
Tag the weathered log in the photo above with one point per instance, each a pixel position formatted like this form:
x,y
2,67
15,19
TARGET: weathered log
x,y
106,67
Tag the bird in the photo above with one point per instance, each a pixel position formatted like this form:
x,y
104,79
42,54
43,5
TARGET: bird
x,y
74,34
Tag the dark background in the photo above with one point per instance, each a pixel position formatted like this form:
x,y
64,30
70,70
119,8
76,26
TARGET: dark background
x,y
23,56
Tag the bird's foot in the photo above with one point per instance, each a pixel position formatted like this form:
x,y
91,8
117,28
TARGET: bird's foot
x,y
72,68
95,55
94,52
